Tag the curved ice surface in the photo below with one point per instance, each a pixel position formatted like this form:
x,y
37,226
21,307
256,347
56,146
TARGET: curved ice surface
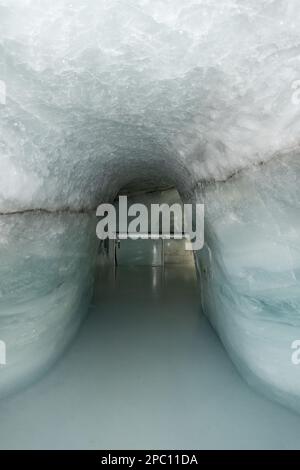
x,y
46,274
250,273
101,91
98,95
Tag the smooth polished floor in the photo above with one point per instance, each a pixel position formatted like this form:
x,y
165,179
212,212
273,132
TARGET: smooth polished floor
x,y
145,371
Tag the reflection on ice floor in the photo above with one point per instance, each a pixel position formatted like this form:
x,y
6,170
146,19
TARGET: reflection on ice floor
x,y
145,371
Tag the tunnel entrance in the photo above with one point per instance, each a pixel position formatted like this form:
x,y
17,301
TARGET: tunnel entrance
x,y
144,252
162,244
154,267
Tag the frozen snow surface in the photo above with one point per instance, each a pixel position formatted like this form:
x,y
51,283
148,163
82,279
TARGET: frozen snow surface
x,y
101,91
145,372
250,273
46,274
96,96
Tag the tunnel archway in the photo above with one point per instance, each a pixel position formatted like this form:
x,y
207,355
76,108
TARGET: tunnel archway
x,y
165,96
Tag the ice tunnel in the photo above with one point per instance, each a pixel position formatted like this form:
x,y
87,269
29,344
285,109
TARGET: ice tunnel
x,y
201,96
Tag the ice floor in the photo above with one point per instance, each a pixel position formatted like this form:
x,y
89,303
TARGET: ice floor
x,y
145,371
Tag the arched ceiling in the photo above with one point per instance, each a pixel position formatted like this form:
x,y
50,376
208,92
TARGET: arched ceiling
x,y
101,94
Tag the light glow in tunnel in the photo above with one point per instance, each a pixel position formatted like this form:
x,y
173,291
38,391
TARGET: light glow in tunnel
x,y
198,95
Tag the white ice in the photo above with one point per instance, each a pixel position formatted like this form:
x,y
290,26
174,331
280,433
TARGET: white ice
x,y
199,95
102,92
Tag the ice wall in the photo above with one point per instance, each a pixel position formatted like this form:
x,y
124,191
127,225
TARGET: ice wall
x,y
250,273
46,279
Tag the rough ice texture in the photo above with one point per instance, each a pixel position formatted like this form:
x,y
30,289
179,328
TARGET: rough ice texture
x,y
113,93
250,273
46,274
102,92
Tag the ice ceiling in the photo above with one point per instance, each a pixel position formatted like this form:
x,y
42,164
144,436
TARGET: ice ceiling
x,y
103,93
